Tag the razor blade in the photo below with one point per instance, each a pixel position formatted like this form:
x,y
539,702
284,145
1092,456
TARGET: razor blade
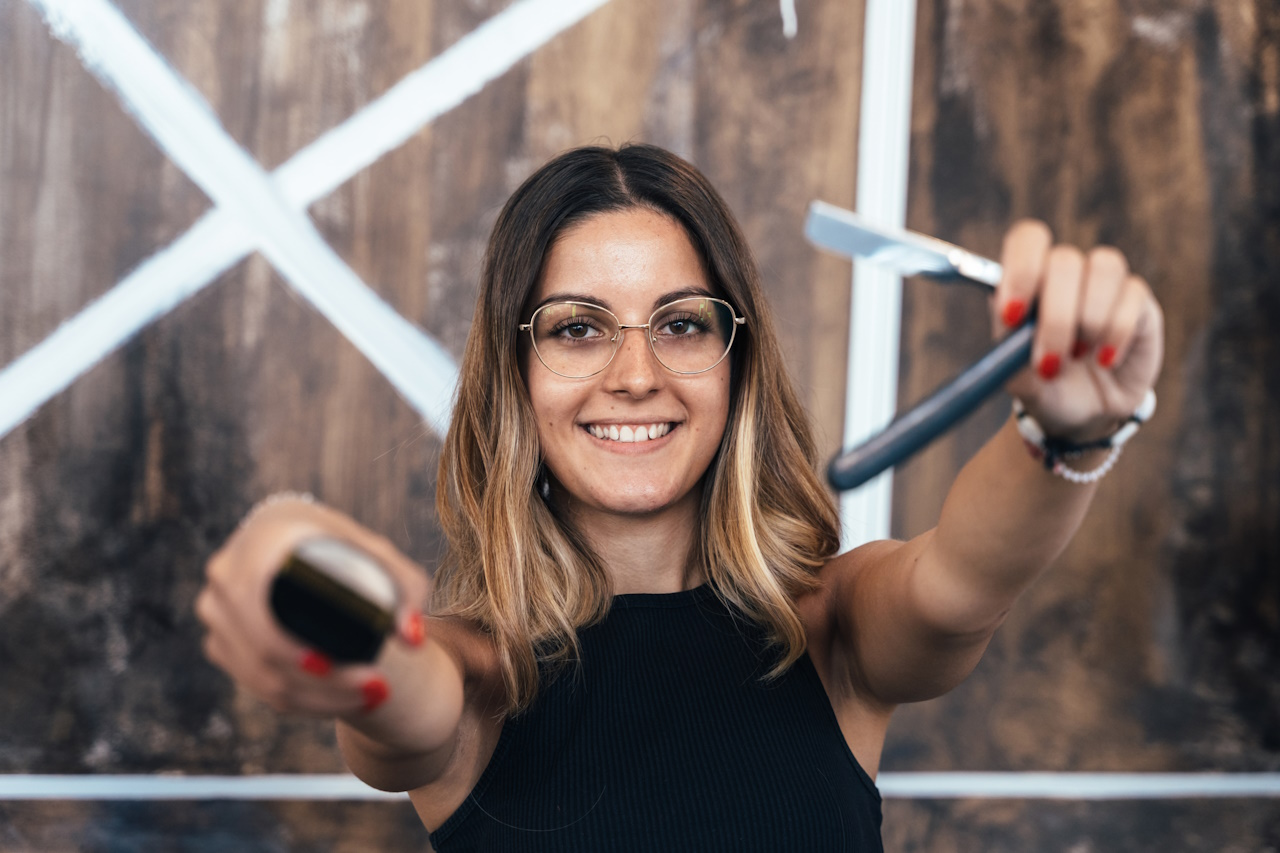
x,y
908,253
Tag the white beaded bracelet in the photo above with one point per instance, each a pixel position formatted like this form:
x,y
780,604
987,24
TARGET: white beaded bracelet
x,y
1055,451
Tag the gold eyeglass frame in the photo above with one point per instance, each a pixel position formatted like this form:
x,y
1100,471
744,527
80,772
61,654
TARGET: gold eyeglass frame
x,y
623,327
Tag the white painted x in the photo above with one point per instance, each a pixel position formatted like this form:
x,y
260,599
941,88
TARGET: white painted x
x,y
254,210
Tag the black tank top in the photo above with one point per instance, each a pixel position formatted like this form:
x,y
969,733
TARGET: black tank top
x,y
666,738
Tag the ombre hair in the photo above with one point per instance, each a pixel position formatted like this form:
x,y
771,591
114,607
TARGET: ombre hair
x,y
522,572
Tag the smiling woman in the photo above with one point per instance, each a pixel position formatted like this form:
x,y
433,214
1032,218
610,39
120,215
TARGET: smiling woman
x,y
630,231
642,636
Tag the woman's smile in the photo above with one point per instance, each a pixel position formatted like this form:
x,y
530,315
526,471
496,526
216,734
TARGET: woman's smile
x,y
631,433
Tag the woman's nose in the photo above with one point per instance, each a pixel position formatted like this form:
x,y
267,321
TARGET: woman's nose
x,y
634,368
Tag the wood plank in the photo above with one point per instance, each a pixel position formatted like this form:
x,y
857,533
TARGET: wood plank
x,y
1118,127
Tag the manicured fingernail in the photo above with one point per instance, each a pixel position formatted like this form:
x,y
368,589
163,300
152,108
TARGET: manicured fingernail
x,y
414,630
1050,364
1079,349
1107,356
316,664
1014,311
375,692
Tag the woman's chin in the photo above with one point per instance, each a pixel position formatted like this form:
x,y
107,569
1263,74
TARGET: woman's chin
x,y
637,500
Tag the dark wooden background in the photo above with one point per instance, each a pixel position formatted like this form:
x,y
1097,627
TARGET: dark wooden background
x,y
1155,126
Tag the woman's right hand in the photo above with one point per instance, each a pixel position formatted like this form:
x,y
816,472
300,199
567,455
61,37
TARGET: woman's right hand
x,y
244,638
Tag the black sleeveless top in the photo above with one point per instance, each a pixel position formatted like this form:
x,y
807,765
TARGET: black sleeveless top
x,y
666,738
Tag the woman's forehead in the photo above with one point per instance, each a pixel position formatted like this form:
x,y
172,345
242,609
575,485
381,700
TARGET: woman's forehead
x,y
632,259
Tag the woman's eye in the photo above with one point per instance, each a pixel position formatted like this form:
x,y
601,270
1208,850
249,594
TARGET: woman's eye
x,y
577,330
680,326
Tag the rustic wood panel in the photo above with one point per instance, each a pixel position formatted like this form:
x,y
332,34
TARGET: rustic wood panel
x,y
776,127
1154,642
1150,647
56,123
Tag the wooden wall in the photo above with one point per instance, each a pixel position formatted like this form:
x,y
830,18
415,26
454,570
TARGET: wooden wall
x,y
1155,642
1153,646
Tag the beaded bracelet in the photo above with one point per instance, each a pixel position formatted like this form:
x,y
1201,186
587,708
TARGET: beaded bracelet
x,y
1055,451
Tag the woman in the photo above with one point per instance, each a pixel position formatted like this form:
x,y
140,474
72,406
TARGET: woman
x,y
643,638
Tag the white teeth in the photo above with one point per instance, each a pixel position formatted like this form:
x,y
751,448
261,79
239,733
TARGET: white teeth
x,y
629,434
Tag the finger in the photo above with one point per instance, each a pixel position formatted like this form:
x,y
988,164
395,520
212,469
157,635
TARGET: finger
x,y
1105,273
293,688
1023,256
261,681
1058,317
1116,341
229,613
348,690
411,627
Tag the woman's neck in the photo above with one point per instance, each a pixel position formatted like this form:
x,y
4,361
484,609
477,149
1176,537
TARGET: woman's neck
x,y
652,553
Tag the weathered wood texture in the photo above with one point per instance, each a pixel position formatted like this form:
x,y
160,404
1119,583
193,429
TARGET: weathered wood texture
x,y
1150,647
116,491
1154,643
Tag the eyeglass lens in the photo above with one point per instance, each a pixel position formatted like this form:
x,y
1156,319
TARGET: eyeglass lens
x,y
688,336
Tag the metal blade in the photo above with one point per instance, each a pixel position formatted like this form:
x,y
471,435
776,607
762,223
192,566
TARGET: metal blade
x,y
905,252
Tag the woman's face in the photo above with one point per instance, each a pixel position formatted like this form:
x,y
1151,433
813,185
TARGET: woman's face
x,y
629,262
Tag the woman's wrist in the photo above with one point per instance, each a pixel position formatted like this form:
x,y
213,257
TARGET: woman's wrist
x,y
1090,451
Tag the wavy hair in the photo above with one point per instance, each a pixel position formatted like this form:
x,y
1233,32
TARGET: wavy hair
x,y
524,574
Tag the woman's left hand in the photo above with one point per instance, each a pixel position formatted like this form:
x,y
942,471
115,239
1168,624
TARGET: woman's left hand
x,y
1099,339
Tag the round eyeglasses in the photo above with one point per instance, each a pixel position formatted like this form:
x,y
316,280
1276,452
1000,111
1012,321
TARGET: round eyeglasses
x,y
578,339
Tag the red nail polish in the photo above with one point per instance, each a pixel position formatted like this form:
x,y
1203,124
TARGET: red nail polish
x,y
375,692
1050,364
415,629
316,664
1107,356
1014,311
1079,349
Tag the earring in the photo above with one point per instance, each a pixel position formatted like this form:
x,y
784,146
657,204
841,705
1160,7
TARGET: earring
x,y
543,484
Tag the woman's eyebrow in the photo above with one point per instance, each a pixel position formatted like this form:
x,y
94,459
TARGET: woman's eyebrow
x,y
683,293
671,296
574,297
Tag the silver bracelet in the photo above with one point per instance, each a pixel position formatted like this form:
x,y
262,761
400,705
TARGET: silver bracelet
x,y
1054,452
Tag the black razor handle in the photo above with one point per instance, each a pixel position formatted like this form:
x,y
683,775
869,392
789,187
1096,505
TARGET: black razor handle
x,y
935,414
336,599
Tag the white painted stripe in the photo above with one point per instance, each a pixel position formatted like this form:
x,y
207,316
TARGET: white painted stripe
x,y
876,308
156,287
1063,786
1078,786
280,787
191,135
176,272
476,59
790,24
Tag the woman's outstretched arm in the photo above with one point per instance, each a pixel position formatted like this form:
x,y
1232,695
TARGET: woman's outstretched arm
x,y
912,619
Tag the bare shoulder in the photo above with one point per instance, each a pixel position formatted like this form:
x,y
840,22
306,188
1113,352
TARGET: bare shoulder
x,y
481,722
863,719
825,611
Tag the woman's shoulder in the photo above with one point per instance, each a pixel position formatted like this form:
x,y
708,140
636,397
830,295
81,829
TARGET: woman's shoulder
x,y
820,608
